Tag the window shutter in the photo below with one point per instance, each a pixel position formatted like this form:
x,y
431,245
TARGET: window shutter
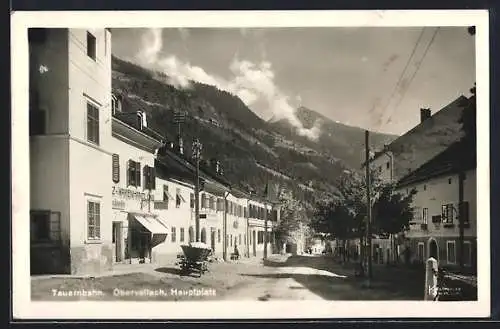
x,y
131,173
137,174
147,177
116,168
152,177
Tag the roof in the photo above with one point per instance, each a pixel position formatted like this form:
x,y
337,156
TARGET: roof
x,y
459,156
428,139
130,118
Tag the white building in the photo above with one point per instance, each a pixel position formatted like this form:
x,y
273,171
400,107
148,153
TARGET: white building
x,y
70,157
436,159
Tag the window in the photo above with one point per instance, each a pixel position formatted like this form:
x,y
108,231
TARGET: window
x,y
181,238
191,234
451,255
92,124
134,173
425,187
44,226
464,212
191,200
212,203
178,198
93,220
449,180
260,237
203,201
149,178
387,165
116,168
467,253
218,235
173,234
245,238
239,239
447,213
420,252
37,122
166,196
91,46
425,215
231,239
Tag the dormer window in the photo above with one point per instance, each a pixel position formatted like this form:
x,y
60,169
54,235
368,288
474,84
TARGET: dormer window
x,y
116,105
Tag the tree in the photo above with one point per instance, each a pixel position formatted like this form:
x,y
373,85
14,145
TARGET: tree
x,y
292,219
392,212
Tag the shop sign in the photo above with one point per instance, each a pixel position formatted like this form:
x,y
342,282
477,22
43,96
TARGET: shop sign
x,y
128,194
118,204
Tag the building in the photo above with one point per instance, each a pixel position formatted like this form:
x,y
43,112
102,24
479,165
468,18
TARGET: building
x,y
92,166
104,187
70,157
437,159
446,194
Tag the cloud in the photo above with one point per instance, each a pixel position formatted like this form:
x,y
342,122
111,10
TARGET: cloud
x,y
251,82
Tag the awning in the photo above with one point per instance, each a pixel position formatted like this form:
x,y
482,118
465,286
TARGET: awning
x,y
151,224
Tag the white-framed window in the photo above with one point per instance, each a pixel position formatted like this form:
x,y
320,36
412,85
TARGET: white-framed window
x,y
134,173
425,215
421,252
174,231
451,252
181,238
93,219
92,123
467,253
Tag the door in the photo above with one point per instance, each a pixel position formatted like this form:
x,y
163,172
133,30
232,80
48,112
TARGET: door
x,y
117,240
433,249
212,239
254,240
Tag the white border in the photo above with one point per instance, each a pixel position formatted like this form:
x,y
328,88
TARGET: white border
x,y
23,308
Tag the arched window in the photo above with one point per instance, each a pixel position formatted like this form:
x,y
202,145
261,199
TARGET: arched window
x,y
191,234
203,235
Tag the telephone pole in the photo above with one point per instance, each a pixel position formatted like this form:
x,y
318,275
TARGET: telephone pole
x,y
197,154
368,205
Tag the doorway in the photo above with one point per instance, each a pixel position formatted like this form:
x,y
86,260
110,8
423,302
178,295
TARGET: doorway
x,y
117,241
433,249
212,239
254,239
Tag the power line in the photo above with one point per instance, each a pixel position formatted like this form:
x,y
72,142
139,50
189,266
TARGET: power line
x,y
403,72
419,64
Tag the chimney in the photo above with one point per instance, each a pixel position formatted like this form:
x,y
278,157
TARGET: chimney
x,y
424,114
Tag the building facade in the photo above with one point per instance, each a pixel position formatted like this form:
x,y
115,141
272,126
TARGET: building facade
x,y
99,194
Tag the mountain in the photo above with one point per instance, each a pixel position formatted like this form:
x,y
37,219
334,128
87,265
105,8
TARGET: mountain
x,y
345,142
250,149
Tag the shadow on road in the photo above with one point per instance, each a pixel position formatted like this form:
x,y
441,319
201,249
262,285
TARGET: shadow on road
x,y
387,284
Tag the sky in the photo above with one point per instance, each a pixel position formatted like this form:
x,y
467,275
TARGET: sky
x,y
375,78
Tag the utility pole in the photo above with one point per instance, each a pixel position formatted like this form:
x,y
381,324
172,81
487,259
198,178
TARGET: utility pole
x,y
197,154
368,205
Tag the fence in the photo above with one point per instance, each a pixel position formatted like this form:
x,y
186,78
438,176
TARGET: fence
x,y
443,285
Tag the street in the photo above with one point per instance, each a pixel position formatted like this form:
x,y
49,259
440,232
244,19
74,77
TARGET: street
x,y
278,278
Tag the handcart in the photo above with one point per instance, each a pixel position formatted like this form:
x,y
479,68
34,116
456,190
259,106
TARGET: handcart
x,y
195,258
